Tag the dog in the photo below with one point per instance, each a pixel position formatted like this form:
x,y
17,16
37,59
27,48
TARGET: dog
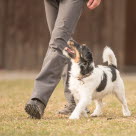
x,y
89,83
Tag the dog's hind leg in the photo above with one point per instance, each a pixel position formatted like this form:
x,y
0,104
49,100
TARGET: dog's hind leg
x,y
98,109
119,92
122,99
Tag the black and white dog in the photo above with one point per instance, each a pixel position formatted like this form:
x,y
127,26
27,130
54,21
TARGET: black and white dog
x,y
88,83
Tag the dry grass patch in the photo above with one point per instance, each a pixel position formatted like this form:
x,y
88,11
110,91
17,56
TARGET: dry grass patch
x,y
15,122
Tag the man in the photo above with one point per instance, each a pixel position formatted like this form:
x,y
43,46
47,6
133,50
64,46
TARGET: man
x,y
62,17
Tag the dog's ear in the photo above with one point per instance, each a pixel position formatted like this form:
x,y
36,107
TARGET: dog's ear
x,y
84,68
88,56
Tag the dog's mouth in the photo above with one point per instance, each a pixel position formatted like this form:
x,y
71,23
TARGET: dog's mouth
x,y
69,50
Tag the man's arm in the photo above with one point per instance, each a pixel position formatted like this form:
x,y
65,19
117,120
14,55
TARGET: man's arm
x,y
92,4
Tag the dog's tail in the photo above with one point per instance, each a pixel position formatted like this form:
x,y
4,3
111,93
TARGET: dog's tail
x,y
109,56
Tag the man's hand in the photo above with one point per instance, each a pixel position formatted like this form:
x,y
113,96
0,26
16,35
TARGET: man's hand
x,y
92,4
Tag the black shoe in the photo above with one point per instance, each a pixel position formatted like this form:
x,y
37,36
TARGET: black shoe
x,y
35,109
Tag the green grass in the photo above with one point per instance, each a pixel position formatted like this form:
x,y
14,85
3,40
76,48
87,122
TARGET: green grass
x,y
15,122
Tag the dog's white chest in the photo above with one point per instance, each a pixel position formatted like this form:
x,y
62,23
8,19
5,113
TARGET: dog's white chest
x,y
74,86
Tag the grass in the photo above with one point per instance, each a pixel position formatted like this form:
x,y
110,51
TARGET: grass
x,y
15,122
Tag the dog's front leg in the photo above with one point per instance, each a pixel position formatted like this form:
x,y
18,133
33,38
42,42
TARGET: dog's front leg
x,y
79,109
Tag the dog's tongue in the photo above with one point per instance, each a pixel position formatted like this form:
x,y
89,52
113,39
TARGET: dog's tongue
x,y
69,50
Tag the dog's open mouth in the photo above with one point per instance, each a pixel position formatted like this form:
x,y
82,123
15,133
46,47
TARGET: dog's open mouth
x,y
69,50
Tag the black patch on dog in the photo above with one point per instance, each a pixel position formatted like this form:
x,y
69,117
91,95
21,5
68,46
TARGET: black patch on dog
x,y
103,83
113,70
86,60
106,64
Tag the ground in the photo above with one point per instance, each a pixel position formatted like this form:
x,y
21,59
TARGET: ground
x,y
15,91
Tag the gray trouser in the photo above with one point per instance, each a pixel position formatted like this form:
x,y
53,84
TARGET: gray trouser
x,y
62,17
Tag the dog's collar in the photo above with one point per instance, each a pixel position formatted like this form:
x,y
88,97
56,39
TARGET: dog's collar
x,y
81,77
84,76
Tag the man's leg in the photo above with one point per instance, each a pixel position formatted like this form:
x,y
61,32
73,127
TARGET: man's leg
x,y
54,62
51,10
68,5
70,106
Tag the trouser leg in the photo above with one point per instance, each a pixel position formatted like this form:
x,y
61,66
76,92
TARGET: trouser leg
x,y
51,10
65,76
49,75
54,61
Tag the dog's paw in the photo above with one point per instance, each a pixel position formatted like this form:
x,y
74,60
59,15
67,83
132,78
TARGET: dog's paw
x,y
95,114
72,117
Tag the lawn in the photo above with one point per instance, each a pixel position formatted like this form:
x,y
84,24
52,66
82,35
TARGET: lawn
x,y
15,122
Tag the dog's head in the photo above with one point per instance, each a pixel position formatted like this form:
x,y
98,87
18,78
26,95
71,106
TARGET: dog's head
x,y
81,55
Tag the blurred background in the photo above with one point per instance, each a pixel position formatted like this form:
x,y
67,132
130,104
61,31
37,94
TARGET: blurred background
x,y
24,34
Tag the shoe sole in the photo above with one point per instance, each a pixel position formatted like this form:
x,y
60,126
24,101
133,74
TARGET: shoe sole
x,y
33,111
68,113
64,113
